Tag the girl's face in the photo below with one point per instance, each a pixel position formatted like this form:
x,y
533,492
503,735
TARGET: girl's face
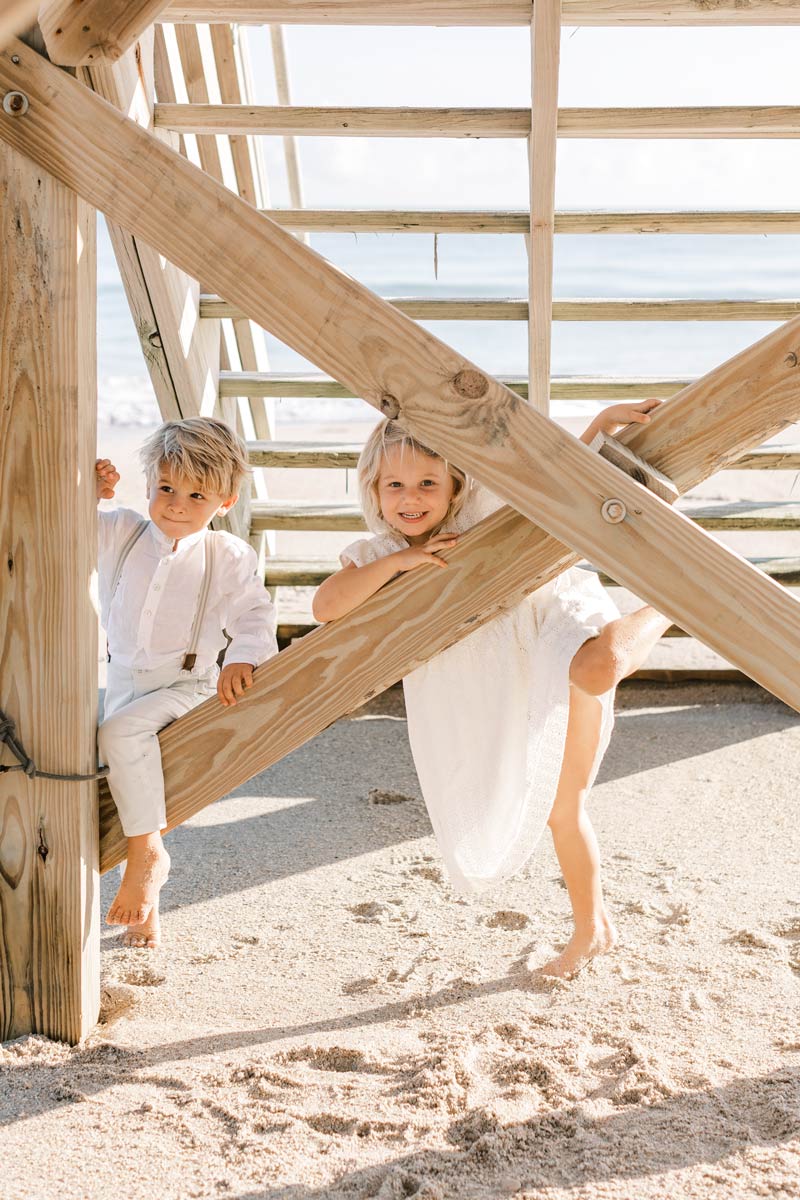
x,y
414,492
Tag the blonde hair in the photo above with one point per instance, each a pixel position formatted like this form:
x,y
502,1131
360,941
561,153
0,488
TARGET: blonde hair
x,y
200,449
384,436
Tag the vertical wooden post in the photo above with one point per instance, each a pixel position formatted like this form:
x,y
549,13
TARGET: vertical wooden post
x,y
545,51
49,898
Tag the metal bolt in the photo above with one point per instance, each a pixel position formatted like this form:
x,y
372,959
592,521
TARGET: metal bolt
x,y
15,59
15,104
613,511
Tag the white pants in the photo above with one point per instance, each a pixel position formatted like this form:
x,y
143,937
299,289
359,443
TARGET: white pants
x,y
137,705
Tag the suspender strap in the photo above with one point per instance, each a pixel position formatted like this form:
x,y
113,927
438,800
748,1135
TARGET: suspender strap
x,y
209,550
127,546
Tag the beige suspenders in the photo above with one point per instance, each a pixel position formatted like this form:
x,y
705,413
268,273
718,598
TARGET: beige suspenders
x,y
209,554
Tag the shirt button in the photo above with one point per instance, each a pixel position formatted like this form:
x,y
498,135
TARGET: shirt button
x,y
157,587
147,612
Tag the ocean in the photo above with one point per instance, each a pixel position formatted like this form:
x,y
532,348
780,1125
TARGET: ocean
x,y
482,265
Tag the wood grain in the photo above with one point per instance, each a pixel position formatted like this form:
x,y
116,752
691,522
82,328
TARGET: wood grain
x,y
484,12
351,220
545,54
49,907
87,31
481,309
751,121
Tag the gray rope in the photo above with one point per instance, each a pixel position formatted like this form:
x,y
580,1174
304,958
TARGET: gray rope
x,y
8,735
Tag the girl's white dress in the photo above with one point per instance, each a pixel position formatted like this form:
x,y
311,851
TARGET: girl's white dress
x,y
487,718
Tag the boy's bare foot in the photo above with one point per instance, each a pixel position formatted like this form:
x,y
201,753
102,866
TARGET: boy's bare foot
x,y
147,935
582,947
146,872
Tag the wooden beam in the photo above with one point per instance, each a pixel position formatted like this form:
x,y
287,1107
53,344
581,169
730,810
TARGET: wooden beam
x,y
181,352
16,17
545,52
762,121
439,396
562,387
80,32
333,220
342,665
49,886
460,308
484,12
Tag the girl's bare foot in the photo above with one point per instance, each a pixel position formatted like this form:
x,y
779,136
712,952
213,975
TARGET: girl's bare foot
x,y
147,935
582,947
146,872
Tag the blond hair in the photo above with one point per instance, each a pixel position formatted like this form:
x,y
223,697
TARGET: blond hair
x,y
384,436
200,449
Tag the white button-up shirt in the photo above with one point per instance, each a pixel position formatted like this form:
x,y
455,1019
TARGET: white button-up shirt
x,y
149,620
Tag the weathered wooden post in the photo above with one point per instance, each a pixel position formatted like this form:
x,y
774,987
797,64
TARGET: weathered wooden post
x,y
49,906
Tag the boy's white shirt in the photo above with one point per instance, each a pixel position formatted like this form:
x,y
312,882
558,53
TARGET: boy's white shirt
x,y
149,624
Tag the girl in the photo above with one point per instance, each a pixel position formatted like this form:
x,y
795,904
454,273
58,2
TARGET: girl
x,y
507,727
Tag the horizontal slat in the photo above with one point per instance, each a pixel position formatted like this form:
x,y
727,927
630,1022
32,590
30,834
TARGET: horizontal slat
x,y
303,454
345,455
483,12
310,572
754,121
344,515
329,220
578,387
423,308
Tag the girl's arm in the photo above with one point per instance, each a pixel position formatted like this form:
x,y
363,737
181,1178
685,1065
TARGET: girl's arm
x,y
351,586
613,418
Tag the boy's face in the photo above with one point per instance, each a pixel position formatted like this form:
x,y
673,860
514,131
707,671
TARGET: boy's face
x,y
180,507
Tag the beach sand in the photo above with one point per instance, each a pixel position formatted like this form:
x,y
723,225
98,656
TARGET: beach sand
x,y
326,1019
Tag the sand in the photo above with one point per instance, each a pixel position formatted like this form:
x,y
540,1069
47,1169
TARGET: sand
x,y
326,1019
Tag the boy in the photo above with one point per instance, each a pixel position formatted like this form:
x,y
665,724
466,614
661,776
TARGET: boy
x,y
168,587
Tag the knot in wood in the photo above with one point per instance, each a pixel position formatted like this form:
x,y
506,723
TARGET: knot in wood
x,y
390,406
791,359
471,384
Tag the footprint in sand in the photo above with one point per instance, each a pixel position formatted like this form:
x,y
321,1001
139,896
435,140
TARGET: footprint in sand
x,y
752,939
506,918
377,796
790,931
143,976
369,912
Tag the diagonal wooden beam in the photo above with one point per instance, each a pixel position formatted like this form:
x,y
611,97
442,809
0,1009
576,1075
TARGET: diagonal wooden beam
x,y
405,372
339,667
80,32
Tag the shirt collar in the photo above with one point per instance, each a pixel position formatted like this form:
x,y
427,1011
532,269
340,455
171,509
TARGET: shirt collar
x,y
164,543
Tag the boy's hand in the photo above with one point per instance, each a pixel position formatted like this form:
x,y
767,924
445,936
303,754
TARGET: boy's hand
x,y
418,556
233,682
106,478
613,418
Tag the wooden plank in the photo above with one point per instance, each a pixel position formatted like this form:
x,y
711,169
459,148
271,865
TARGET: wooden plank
x,y
423,308
766,517
578,387
49,885
439,396
344,455
16,17
545,52
351,220
484,12
754,121
88,31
